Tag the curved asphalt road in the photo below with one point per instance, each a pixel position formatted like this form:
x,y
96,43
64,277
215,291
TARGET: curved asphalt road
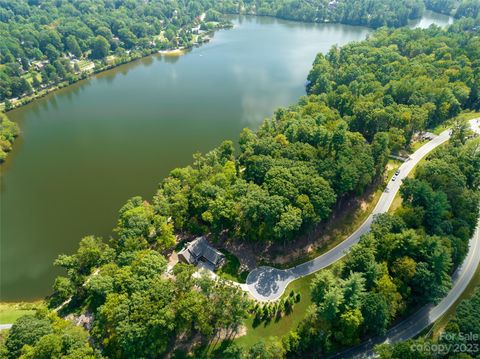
x,y
268,283
430,313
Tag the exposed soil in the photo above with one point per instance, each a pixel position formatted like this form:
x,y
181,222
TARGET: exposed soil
x,y
252,255
187,344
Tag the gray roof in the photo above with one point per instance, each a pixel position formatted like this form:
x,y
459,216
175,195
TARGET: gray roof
x,y
199,248
185,253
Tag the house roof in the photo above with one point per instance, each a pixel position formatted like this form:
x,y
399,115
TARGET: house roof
x,y
200,248
185,253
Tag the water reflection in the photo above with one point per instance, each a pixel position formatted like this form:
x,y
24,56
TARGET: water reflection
x,y
432,18
85,150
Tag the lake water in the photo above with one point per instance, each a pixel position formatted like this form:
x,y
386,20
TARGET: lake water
x,y
86,149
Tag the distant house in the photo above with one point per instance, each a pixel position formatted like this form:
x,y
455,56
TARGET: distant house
x,y
39,65
199,250
196,29
332,3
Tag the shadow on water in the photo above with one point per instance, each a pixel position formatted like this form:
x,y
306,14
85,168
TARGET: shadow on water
x,y
88,148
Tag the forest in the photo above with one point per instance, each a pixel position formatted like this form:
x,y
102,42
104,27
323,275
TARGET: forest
x,y
371,13
468,9
44,43
460,339
140,308
404,262
8,131
134,306
366,100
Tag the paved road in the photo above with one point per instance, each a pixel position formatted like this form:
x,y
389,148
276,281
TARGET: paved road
x,y
430,313
268,283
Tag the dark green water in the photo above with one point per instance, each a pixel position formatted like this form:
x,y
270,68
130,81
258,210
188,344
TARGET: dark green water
x,y
86,149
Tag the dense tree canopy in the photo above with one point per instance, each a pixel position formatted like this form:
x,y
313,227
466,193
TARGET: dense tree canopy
x,y
66,32
8,131
373,13
45,335
139,309
364,101
400,81
405,261
468,9
459,340
441,6
62,32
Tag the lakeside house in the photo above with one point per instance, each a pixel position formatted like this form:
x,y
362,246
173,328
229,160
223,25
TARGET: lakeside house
x,y
40,65
199,250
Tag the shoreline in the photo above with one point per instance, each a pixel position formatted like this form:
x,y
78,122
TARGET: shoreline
x,y
174,52
87,75
11,311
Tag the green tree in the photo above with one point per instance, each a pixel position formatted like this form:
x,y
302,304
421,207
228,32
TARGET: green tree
x,y
27,330
349,326
353,290
321,284
51,53
272,349
8,105
127,37
35,82
388,289
101,48
331,304
375,313
73,47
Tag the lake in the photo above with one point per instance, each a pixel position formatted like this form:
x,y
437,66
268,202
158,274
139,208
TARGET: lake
x,y
86,149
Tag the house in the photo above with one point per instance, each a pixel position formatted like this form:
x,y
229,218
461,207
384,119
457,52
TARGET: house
x,y
199,250
40,65
196,29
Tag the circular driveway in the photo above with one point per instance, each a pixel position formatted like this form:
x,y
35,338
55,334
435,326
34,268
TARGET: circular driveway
x,y
268,283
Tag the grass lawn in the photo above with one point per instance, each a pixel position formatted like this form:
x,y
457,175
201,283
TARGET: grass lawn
x,y
84,64
417,144
231,269
29,77
110,60
467,115
161,37
286,323
9,312
339,233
